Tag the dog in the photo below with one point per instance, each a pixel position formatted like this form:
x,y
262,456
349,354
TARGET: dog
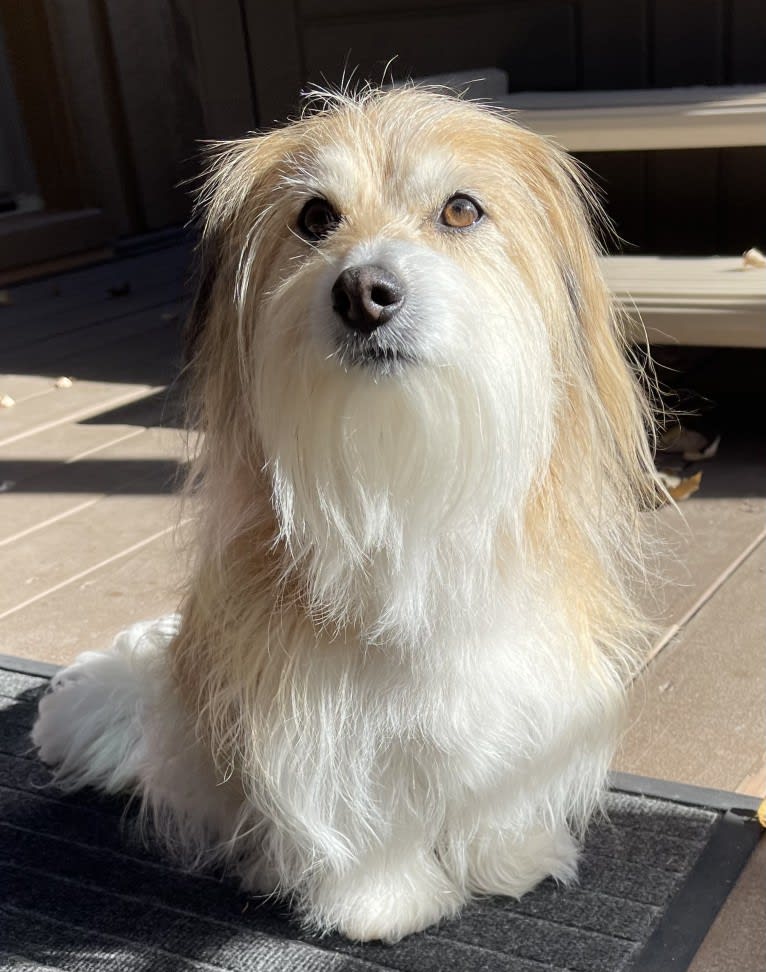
x,y
398,672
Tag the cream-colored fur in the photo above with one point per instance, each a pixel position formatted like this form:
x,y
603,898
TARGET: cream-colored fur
x,y
397,676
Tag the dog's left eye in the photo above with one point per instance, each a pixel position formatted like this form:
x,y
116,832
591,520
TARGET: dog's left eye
x,y
460,212
317,219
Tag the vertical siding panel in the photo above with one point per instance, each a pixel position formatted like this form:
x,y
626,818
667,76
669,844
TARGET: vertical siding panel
x,y
539,48
614,44
748,42
278,68
615,54
681,202
223,71
81,39
683,196
621,178
161,108
44,104
688,42
534,42
743,199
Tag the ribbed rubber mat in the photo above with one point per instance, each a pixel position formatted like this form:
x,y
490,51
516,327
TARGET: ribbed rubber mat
x,y
78,893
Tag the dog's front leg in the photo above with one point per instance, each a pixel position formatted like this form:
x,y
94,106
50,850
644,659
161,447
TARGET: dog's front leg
x,y
113,720
95,720
389,892
494,848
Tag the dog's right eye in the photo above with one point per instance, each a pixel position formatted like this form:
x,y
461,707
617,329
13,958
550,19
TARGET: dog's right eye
x,y
317,219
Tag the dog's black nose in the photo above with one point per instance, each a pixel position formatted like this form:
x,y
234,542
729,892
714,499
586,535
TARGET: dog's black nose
x,y
366,297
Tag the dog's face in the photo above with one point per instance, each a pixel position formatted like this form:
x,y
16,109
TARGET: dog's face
x,y
393,234
397,243
393,250
401,315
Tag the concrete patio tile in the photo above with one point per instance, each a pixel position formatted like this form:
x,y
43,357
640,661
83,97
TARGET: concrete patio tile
x,y
58,446
23,387
706,535
88,612
146,462
40,461
81,288
76,543
698,550
698,714
84,398
84,338
65,443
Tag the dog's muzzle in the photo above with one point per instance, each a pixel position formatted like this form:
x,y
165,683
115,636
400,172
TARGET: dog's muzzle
x,y
367,296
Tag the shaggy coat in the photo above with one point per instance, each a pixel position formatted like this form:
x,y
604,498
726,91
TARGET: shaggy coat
x,y
397,675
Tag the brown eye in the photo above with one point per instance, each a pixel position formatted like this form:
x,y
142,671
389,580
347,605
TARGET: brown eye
x,y
317,219
461,212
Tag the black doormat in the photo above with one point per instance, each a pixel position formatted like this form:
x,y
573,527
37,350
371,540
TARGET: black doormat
x,y
78,892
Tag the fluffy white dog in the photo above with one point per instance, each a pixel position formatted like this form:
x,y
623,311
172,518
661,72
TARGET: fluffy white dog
x,y
397,675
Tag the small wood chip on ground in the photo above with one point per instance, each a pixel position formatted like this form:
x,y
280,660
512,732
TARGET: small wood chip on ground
x,y
753,258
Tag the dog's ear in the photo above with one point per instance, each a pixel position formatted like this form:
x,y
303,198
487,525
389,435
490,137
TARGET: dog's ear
x,y
588,337
205,273
238,182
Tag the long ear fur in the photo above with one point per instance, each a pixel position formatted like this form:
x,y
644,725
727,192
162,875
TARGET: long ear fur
x,y
206,271
602,472
233,203
234,196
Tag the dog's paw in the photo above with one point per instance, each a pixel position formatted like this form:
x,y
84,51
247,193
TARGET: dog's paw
x,y
91,722
501,862
375,905
62,723
88,729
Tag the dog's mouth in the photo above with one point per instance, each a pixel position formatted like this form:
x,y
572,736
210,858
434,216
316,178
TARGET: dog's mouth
x,y
390,355
378,358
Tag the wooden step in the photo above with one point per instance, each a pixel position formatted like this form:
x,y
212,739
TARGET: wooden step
x,y
708,301
658,118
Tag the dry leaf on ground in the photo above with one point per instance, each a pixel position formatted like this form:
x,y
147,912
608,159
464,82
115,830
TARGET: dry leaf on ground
x,y
679,487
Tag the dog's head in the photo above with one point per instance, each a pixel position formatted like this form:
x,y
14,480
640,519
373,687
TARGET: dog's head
x,y
402,322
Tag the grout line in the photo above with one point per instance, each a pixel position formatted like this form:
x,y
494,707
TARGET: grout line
x,y
107,444
52,519
706,595
38,394
90,411
81,329
104,445
79,506
90,570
